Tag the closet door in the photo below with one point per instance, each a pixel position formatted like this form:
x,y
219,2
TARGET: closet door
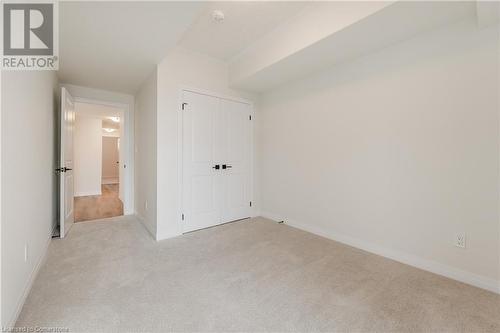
x,y
203,185
237,160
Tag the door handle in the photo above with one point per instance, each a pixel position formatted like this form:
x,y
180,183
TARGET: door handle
x,y
63,169
216,167
224,166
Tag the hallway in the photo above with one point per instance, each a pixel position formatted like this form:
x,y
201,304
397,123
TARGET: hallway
x,y
95,207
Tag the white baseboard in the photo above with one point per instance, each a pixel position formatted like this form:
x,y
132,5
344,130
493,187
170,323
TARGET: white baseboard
x,y
161,237
86,194
109,181
405,258
31,280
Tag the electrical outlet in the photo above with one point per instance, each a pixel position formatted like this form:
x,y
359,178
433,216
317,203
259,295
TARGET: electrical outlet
x,y
25,252
146,205
460,240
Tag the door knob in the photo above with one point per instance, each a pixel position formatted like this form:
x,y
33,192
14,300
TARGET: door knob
x,y
63,169
216,167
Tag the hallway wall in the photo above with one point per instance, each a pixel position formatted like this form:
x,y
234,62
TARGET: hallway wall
x,y
87,155
110,157
28,216
145,154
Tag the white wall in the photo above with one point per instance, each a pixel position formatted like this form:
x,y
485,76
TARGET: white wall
x,y
110,157
145,153
1,214
28,181
126,102
87,155
395,152
180,68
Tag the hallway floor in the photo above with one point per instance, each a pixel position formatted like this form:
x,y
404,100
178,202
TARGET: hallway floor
x,y
252,275
95,207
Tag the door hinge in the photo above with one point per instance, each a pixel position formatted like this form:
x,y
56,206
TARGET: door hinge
x,y
250,204
184,105
250,117
183,217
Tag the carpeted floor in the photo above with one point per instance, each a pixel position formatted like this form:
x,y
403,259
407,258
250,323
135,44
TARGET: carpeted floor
x,y
94,207
253,275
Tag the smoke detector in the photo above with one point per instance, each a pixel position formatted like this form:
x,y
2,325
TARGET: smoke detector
x,y
218,16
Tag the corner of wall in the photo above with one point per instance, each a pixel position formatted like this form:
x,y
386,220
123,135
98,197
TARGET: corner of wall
x,y
146,225
145,172
167,235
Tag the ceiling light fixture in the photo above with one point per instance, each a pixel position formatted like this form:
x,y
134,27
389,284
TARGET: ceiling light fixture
x,y
109,130
115,119
218,16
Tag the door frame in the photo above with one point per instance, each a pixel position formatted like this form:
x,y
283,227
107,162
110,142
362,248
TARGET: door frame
x,y
125,147
180,146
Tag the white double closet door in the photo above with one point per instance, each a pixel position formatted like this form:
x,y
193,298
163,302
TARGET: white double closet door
x,y
217,170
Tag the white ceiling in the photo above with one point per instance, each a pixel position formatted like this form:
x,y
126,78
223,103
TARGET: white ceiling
x,y
97,111
115,45
364,27
244,23
107,123
102,112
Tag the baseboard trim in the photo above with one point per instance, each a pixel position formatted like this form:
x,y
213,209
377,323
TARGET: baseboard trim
x,y
87,194
110,181
405,258
31,280
162,237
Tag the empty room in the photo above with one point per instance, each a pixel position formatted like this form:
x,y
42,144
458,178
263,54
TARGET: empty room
x,y
250,166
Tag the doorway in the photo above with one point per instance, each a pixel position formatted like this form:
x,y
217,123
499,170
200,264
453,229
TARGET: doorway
x,y
97,177
83,122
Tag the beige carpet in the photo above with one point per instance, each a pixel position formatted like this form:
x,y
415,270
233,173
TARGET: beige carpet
x,y
253,275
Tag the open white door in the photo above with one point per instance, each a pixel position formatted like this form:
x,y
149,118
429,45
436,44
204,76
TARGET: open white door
x,y
66,197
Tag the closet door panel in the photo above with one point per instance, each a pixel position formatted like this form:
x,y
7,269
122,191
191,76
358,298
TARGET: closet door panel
x,y
202,184
237,175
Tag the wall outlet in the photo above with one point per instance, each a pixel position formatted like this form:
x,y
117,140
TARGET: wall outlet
x,y
25,252
460,240
146,205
